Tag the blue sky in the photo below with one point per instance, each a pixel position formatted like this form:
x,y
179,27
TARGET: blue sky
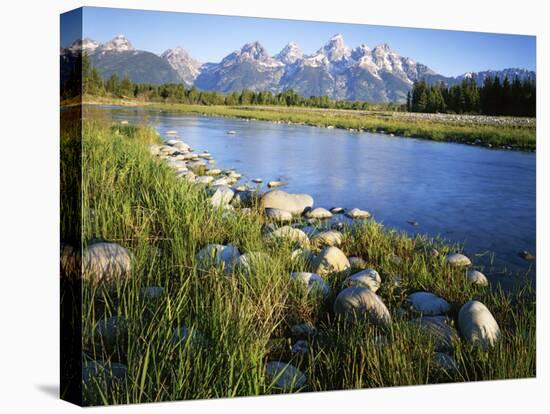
x,y
209,38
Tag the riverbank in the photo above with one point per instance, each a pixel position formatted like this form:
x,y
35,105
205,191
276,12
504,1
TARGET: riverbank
x,y
240,319
493,132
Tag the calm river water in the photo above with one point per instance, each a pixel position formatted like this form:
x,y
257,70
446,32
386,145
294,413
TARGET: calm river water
x,y
484,198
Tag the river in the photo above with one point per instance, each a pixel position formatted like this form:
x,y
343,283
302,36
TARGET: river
x,y
484,198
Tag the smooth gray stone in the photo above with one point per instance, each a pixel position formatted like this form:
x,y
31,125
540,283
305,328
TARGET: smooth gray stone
x,y
477,278
361,303
313,282
356,213
278,215
428,304
477,325
218,254
295,203
368,278
457,260
106,262
330,260
318,213
327,238
289,234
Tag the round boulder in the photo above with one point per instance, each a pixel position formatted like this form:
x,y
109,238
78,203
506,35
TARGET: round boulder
x,y
327,238
477,325
105,262
368,278
318,213
220,195
359,302
477,278
356,213
289,234
330,260
276,214
313,282
218,254
457,260
428,304
295,203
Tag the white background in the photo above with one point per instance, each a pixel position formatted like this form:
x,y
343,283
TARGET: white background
x,y
29,204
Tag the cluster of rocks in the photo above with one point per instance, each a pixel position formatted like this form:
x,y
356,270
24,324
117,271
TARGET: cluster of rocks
x,y
318,250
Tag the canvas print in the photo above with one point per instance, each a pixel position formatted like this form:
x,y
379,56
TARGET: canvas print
x,y
255,206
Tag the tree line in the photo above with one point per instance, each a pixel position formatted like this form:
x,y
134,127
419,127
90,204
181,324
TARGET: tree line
x,y
494,97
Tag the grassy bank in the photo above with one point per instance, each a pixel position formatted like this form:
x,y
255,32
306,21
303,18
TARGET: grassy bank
x,y
425,126
241,322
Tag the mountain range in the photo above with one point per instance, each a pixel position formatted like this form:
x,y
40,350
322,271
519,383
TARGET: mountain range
x,y
335,70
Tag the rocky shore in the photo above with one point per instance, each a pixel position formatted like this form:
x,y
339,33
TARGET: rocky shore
x,y
316,234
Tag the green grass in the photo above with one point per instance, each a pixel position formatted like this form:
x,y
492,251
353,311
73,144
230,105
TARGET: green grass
x,y
242,322
499,136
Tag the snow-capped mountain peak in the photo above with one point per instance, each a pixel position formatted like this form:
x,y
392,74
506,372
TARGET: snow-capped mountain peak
x,y
335,49
83,45
290,54
117,44
187,67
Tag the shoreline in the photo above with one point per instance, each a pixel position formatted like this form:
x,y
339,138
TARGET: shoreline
x,y
504,133
200,175
259,283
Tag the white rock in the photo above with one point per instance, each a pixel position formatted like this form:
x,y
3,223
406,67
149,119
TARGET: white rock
x,y
222,181
214,171
361,303
279,215
457,260
204,179
272,184
477,278
220,195
289,234
327,238
284,376
477,325
357,213
337,210
313,282
218,254
368,278
106,262
318,213
428,304
330,260
295,203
